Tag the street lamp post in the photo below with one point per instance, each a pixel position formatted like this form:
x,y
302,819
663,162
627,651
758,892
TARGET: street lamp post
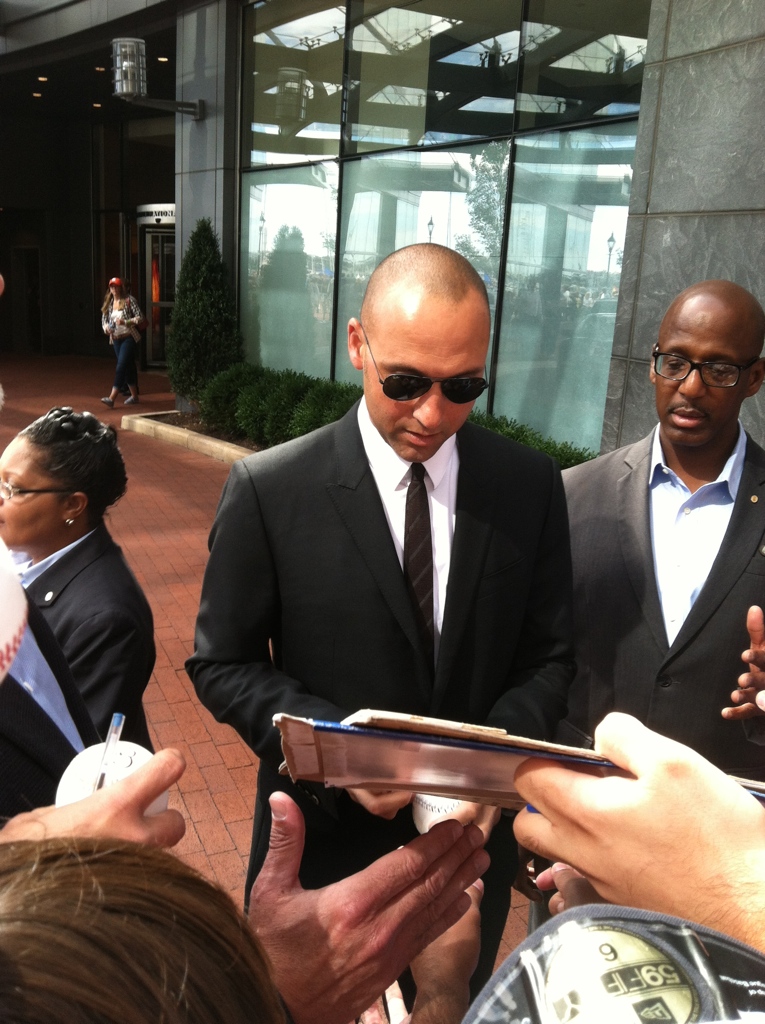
x,y
430,229
260,240
611,243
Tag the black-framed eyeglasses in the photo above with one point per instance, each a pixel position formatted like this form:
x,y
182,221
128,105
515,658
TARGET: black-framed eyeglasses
x,y
405,387
714,374
8,491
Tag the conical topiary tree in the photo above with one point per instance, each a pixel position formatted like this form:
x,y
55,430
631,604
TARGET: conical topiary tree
x,y
205,337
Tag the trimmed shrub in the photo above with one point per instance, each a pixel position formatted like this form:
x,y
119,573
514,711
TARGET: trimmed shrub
x,y
565,453
218,400
324,402
288,392
204,338
271,406
252,406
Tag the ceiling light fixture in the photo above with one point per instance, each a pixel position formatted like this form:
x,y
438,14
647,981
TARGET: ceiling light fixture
x,y
129,77
41,78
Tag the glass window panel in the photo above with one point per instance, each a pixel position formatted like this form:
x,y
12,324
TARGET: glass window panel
x,y
454,197
293,70
581,61
430,72
566,237
289,219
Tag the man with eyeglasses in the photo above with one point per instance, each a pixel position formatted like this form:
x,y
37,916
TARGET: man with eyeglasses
x,y
668,544
324,594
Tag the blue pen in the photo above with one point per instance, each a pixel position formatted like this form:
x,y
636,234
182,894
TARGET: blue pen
x,y
112,739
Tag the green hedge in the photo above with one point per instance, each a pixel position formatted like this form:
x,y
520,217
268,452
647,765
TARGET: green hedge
x,y
217,402
325,402
270,406
566,454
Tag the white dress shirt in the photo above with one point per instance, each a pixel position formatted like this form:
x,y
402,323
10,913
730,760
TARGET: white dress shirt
x,y
687,530
392,475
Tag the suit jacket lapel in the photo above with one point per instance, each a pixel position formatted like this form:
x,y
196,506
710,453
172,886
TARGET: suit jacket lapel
x,y
51,651
476,494
24,723
634,519
357,501
745,531
47,587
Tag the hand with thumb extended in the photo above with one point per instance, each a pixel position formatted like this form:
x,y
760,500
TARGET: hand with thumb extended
x,y
333,950
749,698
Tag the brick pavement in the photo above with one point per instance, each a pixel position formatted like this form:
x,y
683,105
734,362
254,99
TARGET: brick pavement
x,y
162,525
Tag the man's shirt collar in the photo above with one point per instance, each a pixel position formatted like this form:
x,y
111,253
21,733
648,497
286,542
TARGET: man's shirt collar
x,y
731,472
389,468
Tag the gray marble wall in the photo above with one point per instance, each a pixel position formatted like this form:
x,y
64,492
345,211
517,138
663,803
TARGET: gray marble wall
x,y
697,208
205,151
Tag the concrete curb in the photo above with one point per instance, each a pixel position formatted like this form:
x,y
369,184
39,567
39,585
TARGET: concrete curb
x,y
148,423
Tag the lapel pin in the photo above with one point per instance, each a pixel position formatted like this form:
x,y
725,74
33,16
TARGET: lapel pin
x,y
754,499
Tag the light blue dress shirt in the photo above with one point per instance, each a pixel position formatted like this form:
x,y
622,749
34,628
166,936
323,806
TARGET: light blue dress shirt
x,y
687,530
31,670
30,667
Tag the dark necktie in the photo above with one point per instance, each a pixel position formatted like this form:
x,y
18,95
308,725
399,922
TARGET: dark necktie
x,y
418,556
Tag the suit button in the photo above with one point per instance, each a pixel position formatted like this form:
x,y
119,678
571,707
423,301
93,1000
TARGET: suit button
x,y
664,681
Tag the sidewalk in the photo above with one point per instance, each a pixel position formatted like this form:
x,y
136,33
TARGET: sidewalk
x,y
162,525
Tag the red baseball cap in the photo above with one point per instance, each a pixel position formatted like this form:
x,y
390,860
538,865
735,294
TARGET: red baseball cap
x,y
117,281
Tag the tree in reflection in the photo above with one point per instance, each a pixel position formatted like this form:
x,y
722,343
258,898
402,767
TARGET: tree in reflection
x,y
486,206
286,320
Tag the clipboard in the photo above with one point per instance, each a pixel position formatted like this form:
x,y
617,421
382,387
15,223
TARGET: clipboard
x,y
388,750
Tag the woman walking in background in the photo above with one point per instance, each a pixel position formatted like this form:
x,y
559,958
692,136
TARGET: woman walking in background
x,y
120,315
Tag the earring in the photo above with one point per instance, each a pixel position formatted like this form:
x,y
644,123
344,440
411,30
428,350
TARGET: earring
x,y
69,522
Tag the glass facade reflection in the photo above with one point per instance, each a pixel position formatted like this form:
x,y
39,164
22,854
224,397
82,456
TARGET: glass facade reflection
x,y
453,197
580,62
289,219
367,127
428,73
565,241
292,89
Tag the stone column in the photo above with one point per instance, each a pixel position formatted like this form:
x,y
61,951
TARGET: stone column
x,y
697,208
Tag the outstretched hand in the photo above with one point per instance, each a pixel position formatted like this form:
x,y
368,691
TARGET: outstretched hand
x,y
443,970
116,812
385,803
333,950
749,698
573,889
671,834
442,974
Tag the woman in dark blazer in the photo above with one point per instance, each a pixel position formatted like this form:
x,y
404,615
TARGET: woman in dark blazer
x,y
57,479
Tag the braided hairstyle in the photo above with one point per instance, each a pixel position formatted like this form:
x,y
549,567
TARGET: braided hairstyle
x,y
81,454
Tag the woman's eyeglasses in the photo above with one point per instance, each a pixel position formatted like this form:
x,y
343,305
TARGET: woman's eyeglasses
x,y
8,491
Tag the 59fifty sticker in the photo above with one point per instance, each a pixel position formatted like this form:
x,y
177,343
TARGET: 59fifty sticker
x,y
603,973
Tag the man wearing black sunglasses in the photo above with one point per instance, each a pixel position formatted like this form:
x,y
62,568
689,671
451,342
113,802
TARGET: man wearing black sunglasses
x,y
668,543
323,595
